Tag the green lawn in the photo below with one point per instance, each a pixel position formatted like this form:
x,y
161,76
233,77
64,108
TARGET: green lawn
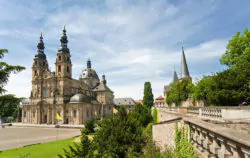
x,y
45,150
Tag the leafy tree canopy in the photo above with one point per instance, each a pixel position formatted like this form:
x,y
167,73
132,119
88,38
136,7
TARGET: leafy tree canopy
x,y
148,98
8,102
179,91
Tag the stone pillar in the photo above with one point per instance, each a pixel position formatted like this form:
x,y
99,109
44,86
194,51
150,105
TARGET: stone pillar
x,y
233,149
195,137
246,152
39,116
214,147
23,115
53,114
200,112
48,115
223,152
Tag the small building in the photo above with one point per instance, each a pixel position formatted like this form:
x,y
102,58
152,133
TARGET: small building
x,y
128,103
160,102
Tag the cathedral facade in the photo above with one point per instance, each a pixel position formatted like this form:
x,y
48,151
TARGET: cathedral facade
x,y
74,100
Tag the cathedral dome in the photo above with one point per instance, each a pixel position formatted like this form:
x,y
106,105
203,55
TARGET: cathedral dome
x,y
79,98
89,73
25,101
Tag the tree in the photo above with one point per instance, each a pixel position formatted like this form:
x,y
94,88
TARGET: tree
x,y
237,50
8,102
78,150
179,91
144,112
231,86
148,98
119,136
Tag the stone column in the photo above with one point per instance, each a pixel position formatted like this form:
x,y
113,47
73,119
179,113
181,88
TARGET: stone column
x,y
223,152
48,115
233,149
23,115
214,147
246,152
39,116
53,114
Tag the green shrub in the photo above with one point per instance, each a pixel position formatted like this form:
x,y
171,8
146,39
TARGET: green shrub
x,y
89,126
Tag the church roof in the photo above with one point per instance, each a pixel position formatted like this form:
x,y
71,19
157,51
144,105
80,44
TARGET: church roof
x,y
159,98
124,101
79,98
40,46
25,101
166,88
175,79
102,87
89,73
184,67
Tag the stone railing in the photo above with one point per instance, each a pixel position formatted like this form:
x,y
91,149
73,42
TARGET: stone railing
x,y
172,110
210,113
212,140
193,111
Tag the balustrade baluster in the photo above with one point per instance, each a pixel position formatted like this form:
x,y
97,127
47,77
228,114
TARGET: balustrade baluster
x,y
214,147
246,152
224,151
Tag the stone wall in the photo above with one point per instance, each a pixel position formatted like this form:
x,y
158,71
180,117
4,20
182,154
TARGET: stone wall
x,y
163,133
164,116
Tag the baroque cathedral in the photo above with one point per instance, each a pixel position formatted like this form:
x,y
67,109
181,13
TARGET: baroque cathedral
x,y
74,100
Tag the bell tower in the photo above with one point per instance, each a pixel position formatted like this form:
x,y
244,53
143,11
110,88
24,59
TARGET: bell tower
x,y
40,63
63,70
40,66
63,61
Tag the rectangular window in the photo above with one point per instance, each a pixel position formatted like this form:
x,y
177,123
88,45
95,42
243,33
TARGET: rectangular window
x,y
59,58
35,73
24,113
75,113
59,68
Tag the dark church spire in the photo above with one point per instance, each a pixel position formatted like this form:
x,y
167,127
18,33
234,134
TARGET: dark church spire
x,y
184,67
40,47
175,79
64,42
89,63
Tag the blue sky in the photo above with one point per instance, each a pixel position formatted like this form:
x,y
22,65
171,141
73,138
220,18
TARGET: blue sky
x,y
130,41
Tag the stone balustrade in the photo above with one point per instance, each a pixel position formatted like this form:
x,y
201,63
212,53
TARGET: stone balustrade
x,y
171,110
212,140
211,113
193,111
